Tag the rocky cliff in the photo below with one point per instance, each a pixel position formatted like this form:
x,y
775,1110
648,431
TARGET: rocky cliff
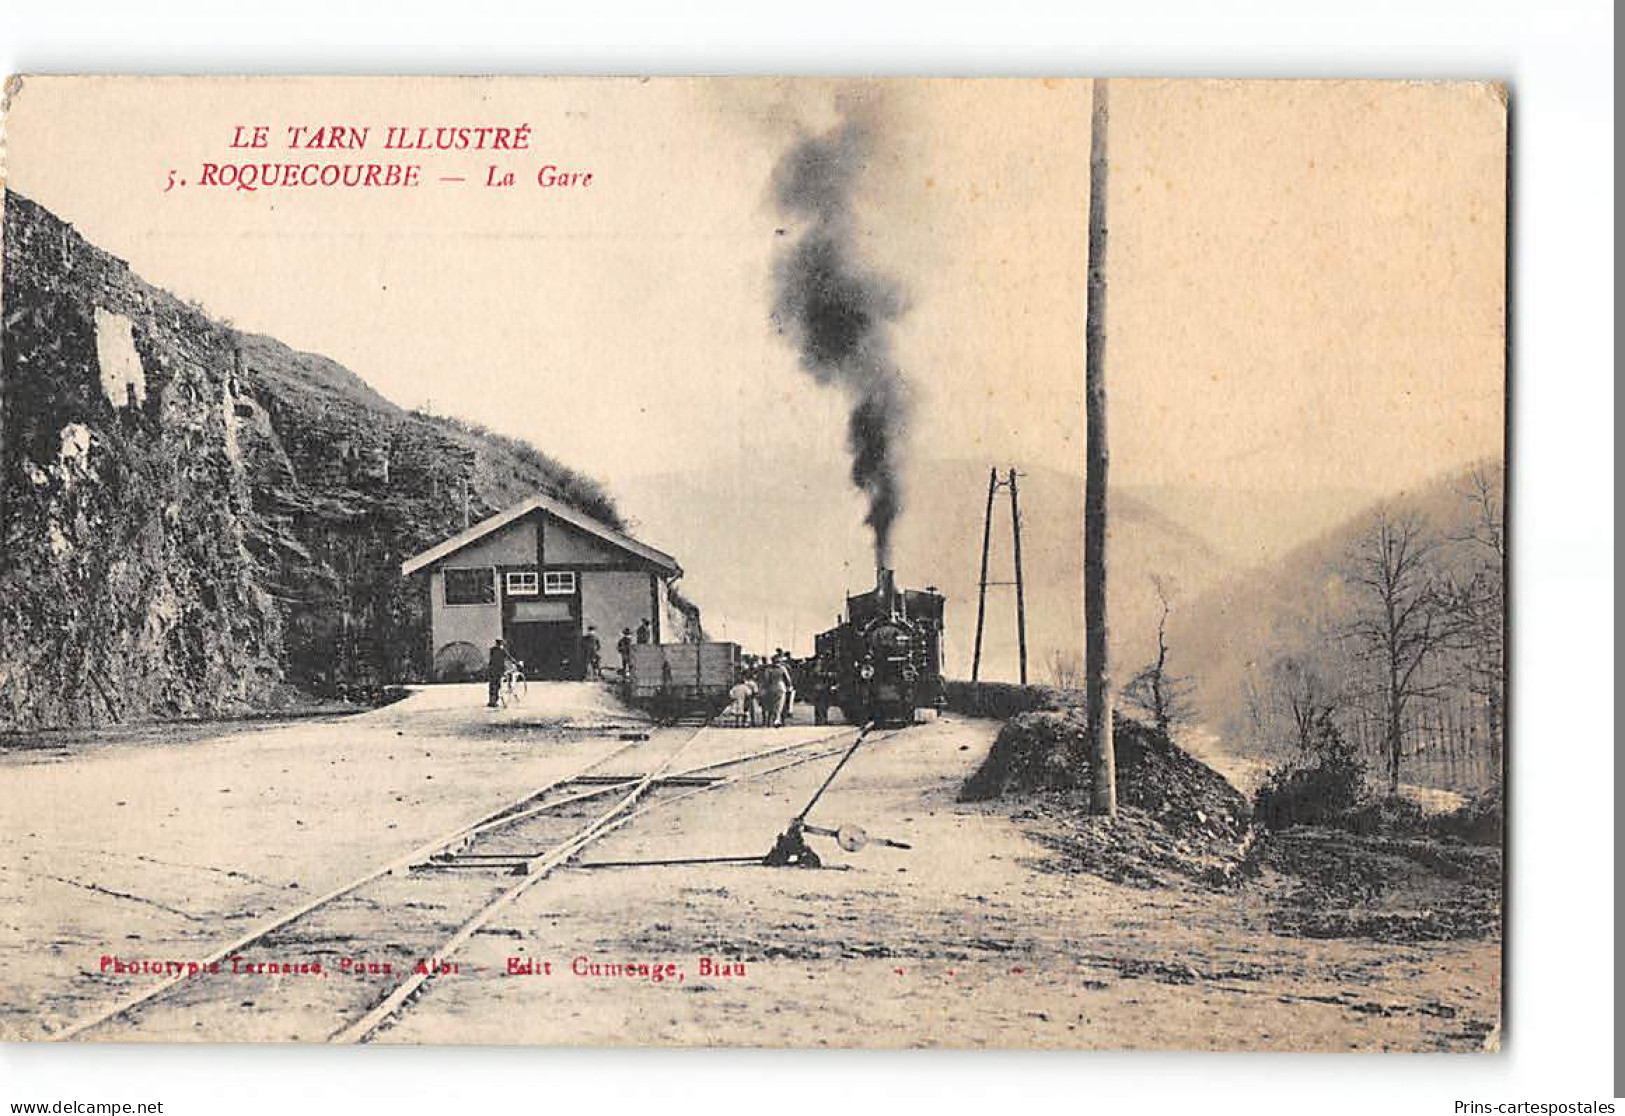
x,y
198,521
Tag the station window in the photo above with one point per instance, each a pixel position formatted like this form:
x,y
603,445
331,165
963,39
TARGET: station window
x,y
470,585
521,583
558,583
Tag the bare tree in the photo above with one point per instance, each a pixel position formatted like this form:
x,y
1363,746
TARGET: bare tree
x,y
1477,596
1301,697
1065,668
1155,691
1402,620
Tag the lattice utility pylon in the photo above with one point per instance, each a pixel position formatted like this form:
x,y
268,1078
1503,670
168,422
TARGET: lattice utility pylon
x,y
993,486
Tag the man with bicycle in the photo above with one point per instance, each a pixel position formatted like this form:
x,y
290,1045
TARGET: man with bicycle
x,y
496,669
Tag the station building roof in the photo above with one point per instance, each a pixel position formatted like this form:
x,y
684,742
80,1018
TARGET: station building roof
x,y
550,506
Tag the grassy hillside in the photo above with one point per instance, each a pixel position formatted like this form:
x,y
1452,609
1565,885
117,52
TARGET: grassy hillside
x,y
346,486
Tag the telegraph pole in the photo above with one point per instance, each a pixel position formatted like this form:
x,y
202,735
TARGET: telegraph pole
x,y
981,600
1021,599
993,486
1098,695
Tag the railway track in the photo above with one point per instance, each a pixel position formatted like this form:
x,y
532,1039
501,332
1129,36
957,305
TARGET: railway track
x,y
482,867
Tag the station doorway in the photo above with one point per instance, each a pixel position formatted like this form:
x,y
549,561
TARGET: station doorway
x,y
550,650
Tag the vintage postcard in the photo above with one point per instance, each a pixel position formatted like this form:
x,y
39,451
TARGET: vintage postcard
x,y
753,562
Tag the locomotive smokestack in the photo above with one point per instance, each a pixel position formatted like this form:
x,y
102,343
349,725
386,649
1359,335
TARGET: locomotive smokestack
x,y
891,601
839,312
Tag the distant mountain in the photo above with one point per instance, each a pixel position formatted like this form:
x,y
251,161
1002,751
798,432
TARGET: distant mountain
x,y
772,550
1255,526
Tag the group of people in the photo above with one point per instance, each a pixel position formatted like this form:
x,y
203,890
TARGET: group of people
x,y
765,693
501,659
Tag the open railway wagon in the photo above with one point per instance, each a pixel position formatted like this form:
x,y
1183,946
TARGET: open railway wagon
x,y
676,677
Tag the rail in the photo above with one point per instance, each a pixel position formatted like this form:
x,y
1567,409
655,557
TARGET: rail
x,y
533,866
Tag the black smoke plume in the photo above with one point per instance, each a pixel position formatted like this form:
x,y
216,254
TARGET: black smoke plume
x,y
838,313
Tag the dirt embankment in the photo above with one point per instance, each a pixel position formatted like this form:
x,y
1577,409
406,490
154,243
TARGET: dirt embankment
x,y
1178,819
1180,824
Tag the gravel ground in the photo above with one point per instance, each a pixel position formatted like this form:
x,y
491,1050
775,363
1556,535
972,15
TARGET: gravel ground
x,y
972,937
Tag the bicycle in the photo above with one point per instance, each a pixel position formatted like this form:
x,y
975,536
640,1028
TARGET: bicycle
x,y
513,686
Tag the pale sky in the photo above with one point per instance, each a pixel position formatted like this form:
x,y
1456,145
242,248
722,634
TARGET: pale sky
x,y
1306,279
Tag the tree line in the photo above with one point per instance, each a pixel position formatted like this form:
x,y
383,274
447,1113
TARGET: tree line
x,y
1405,661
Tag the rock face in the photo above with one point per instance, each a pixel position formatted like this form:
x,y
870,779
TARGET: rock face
x,y
199,522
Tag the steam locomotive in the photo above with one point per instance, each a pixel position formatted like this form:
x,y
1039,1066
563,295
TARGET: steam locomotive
x,y
883,662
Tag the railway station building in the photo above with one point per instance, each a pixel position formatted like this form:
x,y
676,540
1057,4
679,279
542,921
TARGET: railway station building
x,y
538,575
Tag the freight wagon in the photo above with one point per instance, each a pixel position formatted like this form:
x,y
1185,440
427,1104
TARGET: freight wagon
x,y
694,674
